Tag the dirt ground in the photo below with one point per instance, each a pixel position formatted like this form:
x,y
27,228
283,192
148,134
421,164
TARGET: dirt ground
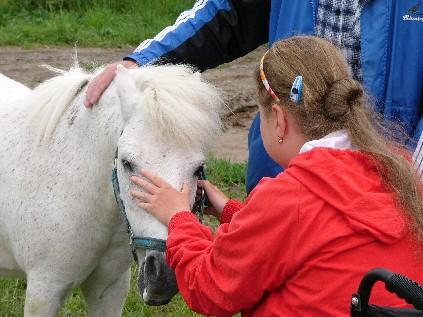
x,y
234,79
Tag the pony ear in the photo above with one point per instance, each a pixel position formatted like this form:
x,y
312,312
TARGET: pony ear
x,y
127,92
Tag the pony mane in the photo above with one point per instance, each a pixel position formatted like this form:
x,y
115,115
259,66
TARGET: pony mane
x,y
179,104
50,99
176,101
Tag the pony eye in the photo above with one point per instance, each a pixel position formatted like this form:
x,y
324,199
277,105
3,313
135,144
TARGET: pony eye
x,y
127,166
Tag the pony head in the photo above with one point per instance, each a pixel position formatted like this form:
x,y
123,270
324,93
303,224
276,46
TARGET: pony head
x,y
170,118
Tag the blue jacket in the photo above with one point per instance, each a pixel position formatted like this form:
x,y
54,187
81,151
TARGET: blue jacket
x,y
218,31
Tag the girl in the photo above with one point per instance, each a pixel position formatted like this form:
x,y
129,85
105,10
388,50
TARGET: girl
x,y
347,201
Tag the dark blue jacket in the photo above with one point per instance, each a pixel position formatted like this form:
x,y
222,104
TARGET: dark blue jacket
x,y
219,31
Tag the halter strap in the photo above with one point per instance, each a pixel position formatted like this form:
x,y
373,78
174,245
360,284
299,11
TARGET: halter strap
x,y
149,243
134,241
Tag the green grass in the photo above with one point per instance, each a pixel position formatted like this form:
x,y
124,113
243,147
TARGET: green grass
x,y
12,298
230,177
101,23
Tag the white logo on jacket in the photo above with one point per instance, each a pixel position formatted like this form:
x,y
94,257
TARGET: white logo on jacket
x,y
408,17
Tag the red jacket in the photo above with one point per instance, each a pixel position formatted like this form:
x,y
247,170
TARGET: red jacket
x,y
300,244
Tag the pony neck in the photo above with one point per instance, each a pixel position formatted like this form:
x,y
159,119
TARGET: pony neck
x,y
56,113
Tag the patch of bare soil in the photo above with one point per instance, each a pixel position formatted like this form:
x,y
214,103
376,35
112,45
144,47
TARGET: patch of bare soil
x,y
234,79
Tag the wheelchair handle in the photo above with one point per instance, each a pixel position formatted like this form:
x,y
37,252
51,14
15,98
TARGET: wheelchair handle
x,y
410,291
403,287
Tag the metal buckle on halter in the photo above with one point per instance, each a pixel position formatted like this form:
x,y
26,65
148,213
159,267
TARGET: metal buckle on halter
x,y
198,207
131,236
202,201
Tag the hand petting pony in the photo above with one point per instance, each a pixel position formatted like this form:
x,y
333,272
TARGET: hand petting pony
x,y
159,198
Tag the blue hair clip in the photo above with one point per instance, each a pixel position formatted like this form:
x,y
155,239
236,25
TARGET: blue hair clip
x,y
297,89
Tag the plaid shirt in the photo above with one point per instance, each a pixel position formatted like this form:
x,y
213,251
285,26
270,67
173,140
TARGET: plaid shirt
x,y
418,158
339,22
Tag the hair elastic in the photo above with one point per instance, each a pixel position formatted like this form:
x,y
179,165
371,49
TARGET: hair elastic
x,y
264,80
297,89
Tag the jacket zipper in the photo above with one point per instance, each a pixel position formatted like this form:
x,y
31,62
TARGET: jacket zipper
x,y
391,11
313,6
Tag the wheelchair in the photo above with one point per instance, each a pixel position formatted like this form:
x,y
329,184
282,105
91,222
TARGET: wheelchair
x,y
400,285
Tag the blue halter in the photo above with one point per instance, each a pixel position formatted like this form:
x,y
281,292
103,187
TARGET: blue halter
x,y
149,242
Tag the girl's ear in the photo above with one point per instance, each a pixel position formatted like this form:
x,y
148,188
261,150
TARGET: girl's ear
x,y
280,122
128,94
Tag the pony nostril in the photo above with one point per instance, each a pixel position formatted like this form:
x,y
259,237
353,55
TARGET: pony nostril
x,y
152,268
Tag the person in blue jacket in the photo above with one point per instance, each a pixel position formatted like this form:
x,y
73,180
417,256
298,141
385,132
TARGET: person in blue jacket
x,y
381,39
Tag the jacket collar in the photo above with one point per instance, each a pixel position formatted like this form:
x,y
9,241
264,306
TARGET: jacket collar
x,y
336,140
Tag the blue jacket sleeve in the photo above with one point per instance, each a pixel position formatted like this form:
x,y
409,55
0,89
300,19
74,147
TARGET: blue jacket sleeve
x,y
211,33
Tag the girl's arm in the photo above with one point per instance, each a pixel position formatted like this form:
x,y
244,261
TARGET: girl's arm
x,y
251,255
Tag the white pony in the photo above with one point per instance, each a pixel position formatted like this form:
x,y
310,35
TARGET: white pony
x,y
59,222
11,92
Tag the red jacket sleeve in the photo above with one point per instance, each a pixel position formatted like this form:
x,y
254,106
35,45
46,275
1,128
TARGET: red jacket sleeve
x,y
231,207
231,271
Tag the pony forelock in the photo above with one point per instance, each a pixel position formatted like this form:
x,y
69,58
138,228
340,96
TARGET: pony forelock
x,y
179,104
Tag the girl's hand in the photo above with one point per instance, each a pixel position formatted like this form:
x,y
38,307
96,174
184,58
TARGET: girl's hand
x,y
216,197
159,198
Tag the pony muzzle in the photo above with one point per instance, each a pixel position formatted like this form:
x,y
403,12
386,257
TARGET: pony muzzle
x,y
156,281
